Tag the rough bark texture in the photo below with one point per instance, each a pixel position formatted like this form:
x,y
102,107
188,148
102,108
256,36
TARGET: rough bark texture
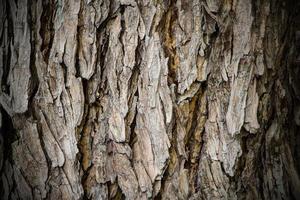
x,y
145,99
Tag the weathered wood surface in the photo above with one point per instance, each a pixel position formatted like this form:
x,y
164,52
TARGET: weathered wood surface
x,y
112,99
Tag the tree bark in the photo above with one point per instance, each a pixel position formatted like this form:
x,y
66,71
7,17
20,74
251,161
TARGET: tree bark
x,y
150,99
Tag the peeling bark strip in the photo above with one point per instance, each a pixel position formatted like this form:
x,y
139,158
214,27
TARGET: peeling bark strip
x,y
237,102
173,99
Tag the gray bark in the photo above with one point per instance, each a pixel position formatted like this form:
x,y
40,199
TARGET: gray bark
x,y
126,99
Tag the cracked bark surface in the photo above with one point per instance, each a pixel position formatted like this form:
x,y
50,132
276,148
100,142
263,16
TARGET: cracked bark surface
x,y
164,99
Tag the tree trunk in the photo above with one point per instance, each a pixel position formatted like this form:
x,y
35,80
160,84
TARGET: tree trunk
x,y
150,99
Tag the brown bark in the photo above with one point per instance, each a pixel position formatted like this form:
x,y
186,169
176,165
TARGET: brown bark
x,y
170,99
